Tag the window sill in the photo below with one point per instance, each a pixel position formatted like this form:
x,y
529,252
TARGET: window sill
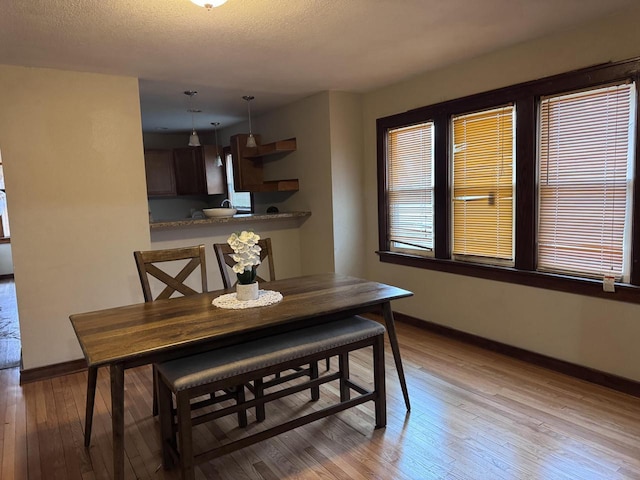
x,y
5,239
562,283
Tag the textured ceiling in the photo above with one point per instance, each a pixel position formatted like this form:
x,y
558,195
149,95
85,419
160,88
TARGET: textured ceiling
x,y
276,50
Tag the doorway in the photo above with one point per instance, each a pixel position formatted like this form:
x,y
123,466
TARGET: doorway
x,y
9,327
10,345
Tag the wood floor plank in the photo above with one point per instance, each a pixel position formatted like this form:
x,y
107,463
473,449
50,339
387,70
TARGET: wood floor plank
x,y
72,452
33,445
21,449
8,440
54,465
96,457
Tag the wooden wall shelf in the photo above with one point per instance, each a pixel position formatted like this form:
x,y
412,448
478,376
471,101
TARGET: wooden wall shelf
x,y
290,185
248,171
283,146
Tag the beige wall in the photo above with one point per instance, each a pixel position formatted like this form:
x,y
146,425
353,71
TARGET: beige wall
x,y
347,182
72,152
595,333
328,164
308,121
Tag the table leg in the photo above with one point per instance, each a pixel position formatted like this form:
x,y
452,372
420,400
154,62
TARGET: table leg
x,y
92,378
395,349
117,419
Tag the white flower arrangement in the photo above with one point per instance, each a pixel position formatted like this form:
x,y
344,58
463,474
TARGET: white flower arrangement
x,y
246,255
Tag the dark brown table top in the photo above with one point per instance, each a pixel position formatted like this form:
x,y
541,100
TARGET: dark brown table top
x,y
145,332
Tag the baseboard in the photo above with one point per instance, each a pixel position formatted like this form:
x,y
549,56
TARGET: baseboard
x,y
50,371
604,379
6,276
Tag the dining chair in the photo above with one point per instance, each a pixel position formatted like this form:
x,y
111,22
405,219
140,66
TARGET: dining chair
x,y
225,262
147,264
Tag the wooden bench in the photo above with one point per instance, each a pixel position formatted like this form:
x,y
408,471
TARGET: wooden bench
x,y
191,377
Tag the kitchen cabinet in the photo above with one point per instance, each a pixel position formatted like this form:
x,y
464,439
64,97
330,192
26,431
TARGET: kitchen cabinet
x,y
189,171
215,176
248,168
184,171
158,166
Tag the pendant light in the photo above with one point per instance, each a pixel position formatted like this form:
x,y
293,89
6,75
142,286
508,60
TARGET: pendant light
x,y
251,141
194,140
209,4
215,129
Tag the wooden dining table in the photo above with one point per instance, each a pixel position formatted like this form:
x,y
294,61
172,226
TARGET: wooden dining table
x,y
146,333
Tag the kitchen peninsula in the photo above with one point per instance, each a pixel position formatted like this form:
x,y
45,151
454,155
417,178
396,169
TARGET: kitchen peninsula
x,y
241,219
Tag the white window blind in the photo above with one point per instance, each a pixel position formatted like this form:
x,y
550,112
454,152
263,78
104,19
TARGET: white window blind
x,y
585,176
410,187
483,157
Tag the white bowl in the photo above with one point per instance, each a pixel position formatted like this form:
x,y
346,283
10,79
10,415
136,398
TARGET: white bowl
x,y
219,212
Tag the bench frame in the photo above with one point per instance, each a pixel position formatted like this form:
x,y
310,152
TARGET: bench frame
x,y
180,432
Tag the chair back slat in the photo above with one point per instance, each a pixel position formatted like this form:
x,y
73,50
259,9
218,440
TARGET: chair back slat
x,y
146,262
225,262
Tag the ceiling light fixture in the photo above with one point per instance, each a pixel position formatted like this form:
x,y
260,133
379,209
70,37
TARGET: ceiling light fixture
x,y
215,129
194,140
251,141
209,4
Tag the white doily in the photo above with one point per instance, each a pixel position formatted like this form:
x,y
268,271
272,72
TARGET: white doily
x,y
265,297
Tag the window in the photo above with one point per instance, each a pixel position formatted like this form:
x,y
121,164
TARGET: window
x,y
239,200
410,153
483,186
530,184
584,182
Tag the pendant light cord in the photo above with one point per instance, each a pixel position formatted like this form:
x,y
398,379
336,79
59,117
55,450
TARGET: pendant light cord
x,y
250,140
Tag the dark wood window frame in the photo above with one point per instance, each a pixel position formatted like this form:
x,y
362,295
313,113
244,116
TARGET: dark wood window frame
x,y
525,96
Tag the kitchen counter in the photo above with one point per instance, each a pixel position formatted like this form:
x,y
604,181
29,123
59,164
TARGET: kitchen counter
x,y
239,218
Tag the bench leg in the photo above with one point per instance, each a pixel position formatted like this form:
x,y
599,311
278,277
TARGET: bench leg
x,y
258,392
240,398
92,380
343,366
379,382
185,435
315,391
167,433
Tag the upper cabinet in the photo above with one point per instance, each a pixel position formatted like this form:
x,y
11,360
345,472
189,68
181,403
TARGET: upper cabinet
x,y
189,171
158,166
248,169
184,171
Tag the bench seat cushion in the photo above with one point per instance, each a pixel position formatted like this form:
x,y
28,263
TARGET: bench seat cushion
x,y
214,365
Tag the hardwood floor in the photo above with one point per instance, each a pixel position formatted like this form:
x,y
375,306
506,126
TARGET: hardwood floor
x,y
475,415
